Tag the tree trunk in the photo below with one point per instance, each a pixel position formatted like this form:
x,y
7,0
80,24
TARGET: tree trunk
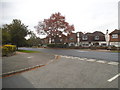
x,y
17,47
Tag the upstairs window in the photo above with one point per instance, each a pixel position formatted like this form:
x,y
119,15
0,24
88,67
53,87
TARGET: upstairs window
x,y
115,36
84,38
71,39
96,37
60,35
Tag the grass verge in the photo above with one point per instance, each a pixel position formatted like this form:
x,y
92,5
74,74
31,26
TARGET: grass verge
x,y
28,51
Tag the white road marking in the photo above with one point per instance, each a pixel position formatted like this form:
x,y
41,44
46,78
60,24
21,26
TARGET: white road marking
x,y
113,78
68,57
72,57
62,56
81,59
76,57
100,61
113,63
30,57
91,60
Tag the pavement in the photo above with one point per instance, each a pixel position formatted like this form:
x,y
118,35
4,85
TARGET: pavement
x,y
24,60
67,72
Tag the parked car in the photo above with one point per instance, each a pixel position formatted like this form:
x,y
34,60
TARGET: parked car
x,y
44,46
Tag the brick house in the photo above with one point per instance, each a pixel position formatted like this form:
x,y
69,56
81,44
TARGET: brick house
x,y
72,39
99,38
88,39
61,39
45,40
77,39
115,38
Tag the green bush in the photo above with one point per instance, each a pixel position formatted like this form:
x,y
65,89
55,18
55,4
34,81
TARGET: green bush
x,y
113,48
8,50
57,45
51,45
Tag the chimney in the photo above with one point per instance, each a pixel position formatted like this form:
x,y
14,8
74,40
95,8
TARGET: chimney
x,y
106,31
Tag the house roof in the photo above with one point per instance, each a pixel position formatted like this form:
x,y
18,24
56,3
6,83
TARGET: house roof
x,y
88,34
71,34
80,32
98,33
91,36
115,32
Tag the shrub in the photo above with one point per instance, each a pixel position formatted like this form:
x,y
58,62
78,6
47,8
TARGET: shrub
x,y
51,45
8,50
112,47
57,45
98,47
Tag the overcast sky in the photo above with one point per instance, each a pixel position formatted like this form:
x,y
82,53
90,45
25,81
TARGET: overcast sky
x,y
86,15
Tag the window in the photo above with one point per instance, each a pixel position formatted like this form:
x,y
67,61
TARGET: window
x,y
60,36
96,37
84,37
52,40
115,36
71,38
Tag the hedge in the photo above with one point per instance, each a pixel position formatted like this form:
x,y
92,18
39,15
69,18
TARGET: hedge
x,y
57,45
8,50
113,48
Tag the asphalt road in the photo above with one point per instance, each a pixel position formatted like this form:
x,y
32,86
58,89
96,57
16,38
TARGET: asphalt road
x,y
79,53
66,73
